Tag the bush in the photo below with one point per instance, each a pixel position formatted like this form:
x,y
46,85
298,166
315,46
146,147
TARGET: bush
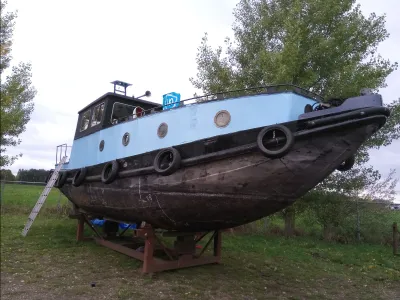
x,y
334,218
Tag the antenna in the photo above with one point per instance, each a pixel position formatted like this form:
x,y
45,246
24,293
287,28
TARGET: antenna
x,y
122,84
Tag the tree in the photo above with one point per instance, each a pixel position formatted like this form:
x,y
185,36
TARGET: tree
x,y
337,205
382,189
17,92
6,175
362,182
32,175
328,47
384,137
330,210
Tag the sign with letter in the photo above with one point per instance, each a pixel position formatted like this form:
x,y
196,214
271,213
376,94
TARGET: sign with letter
x,y
171,100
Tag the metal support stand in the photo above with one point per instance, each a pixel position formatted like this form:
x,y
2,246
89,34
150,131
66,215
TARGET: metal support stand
x,y
146,245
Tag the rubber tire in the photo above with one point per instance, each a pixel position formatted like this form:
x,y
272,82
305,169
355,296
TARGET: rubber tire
x,y
175,164
112,175
347,164
61,179
79,177
278,153
308,108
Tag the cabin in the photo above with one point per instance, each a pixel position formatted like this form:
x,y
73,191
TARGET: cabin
x,y
110,109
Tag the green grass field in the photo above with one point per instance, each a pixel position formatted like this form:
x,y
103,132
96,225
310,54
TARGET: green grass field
x,y
24,197
49,264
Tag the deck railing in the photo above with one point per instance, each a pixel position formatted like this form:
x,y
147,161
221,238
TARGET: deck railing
x,y
271,89
261,90
61,151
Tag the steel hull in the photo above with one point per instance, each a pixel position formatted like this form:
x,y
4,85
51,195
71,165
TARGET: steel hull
x,y
221,193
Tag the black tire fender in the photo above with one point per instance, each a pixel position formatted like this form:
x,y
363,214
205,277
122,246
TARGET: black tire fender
x,y
110,172
173,165
61,179
308,108
347,164
79,177
281,151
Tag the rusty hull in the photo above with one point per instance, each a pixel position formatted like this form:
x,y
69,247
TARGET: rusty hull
x,y
224,193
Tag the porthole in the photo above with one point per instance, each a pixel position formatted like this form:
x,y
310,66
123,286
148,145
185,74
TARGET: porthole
x,y
125,139
162,130
222,118
101,145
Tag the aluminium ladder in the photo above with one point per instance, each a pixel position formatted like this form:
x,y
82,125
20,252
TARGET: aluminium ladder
x,y
43,196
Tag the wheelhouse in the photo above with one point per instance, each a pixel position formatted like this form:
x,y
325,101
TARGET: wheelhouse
x,y
110,109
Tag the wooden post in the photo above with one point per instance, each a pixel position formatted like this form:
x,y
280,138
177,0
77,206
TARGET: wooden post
x,y
289,221
2,185
148,252
217,245
395,239
79,229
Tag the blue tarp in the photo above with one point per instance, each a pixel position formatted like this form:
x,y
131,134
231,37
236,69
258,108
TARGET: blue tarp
x,y
99,222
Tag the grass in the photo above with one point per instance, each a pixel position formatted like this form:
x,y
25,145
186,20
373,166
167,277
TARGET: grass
x,y
49,264
21,197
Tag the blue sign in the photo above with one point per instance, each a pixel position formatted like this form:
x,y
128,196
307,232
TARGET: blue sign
x,y
171,100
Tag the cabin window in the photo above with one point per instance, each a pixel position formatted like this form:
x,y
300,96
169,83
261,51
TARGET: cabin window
x,y
97,114
85,120
121,112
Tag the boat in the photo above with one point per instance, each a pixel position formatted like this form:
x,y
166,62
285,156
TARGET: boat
x,y
211,162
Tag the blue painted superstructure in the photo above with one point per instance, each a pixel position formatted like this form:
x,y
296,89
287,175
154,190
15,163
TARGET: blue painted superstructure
x,y
185,124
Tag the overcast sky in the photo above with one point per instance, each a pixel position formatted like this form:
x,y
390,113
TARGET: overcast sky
x,y
78,47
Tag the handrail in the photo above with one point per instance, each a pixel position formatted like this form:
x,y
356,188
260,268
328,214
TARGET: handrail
x,y
266,87
59,154
271,89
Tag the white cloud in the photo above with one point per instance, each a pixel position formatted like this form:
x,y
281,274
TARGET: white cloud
x,y
78,47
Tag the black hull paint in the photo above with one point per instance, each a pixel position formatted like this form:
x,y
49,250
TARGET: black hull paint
x,y
222,193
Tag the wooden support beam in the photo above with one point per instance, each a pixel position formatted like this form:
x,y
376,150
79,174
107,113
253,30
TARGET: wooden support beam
x,y
217,246
79,229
